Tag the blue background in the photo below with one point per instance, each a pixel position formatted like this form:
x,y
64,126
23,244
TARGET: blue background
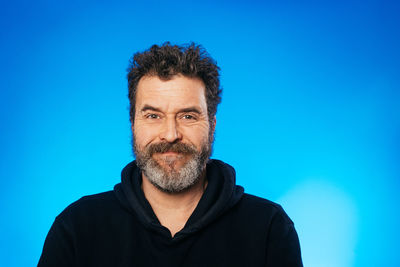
x,y
310,116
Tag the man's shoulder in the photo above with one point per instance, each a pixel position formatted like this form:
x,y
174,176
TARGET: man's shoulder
x,y
263,208
94,200
91,205
260,202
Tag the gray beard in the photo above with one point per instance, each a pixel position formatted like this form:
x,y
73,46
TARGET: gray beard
x,y
169,179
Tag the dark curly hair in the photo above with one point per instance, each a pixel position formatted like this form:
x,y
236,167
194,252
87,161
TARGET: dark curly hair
x,y
168,60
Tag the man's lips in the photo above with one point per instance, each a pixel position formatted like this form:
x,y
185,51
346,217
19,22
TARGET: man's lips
x,y
169,155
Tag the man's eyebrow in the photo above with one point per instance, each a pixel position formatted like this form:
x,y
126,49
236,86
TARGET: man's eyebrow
x,y
191,109
148,107
186,110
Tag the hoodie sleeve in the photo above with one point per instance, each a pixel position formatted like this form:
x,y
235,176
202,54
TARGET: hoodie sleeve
x,y
58,247
283,247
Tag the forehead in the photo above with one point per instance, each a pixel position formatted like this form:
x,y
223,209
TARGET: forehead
x,y
177,92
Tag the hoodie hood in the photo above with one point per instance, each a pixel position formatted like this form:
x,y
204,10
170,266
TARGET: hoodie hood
x,y
221,194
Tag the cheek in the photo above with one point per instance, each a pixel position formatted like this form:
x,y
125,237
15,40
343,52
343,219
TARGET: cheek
x,y
143,135
197,135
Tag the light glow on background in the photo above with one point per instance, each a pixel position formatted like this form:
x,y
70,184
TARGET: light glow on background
x,y
309,116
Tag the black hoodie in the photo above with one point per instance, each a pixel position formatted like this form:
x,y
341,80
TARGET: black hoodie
x,y
119,228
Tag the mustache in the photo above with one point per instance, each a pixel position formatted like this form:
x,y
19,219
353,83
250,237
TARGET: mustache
x,y
171,147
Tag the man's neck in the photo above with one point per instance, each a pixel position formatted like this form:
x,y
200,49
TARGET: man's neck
x,y
173,210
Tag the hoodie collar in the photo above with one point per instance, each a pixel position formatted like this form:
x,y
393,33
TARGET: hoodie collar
x,y
220,195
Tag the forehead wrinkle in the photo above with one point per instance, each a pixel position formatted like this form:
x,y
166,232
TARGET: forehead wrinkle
x,y
171,95
152,100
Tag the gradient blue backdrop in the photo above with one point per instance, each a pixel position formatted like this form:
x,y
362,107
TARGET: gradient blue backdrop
x,y
310,115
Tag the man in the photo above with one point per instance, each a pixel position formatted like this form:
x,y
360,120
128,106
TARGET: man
x,y
174,206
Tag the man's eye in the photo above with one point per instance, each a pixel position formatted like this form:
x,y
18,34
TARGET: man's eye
x,y
152,116
188,117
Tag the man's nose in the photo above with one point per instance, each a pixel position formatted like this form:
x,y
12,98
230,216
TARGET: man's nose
x,y
170,131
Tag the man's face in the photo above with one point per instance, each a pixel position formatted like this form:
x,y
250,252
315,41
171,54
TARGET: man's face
x,y
172,135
